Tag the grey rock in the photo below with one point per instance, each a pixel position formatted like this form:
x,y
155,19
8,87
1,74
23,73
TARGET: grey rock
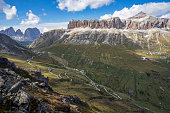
x,y
16,87
22,110
24,98
10,72
42,85
1,82
1,98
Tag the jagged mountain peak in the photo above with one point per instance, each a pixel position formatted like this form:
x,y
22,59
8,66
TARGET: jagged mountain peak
x,y
19,33
143,17
139,15
29,35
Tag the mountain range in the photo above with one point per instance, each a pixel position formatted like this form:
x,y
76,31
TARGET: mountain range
x,y
30,34
154,40
140,21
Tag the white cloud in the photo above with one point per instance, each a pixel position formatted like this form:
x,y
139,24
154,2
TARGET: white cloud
x,y
11,12
44,14
45,29
156,9
32,19
43,9
166,16
79,5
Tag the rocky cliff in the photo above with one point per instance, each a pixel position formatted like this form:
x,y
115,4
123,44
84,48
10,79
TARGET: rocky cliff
x,y
94,23
141,21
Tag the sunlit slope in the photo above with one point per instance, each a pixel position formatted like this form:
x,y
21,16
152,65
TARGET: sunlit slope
x,y
120,69
99,101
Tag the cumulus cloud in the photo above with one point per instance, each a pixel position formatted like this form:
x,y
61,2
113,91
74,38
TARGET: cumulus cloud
x,y
45,29
32,19
166,16
157,9
10,12
79,5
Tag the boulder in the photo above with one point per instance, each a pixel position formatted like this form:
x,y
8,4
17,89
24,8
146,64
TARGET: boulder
x,y
24,98
1,82
16,87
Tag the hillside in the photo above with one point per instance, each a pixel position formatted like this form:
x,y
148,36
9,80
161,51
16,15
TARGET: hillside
x,y
154,41
10,46
119,69
132,63
26,92
71,82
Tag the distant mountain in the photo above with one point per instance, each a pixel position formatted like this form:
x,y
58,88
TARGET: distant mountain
x,y
10,46
29,35
19,33
9,31
140,21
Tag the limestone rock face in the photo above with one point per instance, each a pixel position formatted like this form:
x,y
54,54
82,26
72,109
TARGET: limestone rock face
x,y
94,23
140,21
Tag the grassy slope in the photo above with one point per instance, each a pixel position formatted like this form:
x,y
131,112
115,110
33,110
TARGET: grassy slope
x,y
120,69
98,101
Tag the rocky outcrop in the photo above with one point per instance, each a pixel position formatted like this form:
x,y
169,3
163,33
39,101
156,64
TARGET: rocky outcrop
x,y
31,94
94,23
141,21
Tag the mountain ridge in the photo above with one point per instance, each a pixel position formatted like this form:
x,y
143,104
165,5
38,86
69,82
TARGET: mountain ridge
x,y
137,22
10,46
30,34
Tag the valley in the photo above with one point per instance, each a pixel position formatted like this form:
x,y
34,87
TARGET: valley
x,y
94,66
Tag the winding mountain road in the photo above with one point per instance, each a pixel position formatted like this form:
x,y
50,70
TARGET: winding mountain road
x,y
92,83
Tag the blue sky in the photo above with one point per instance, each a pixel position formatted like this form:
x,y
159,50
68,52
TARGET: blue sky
x,y
49,11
